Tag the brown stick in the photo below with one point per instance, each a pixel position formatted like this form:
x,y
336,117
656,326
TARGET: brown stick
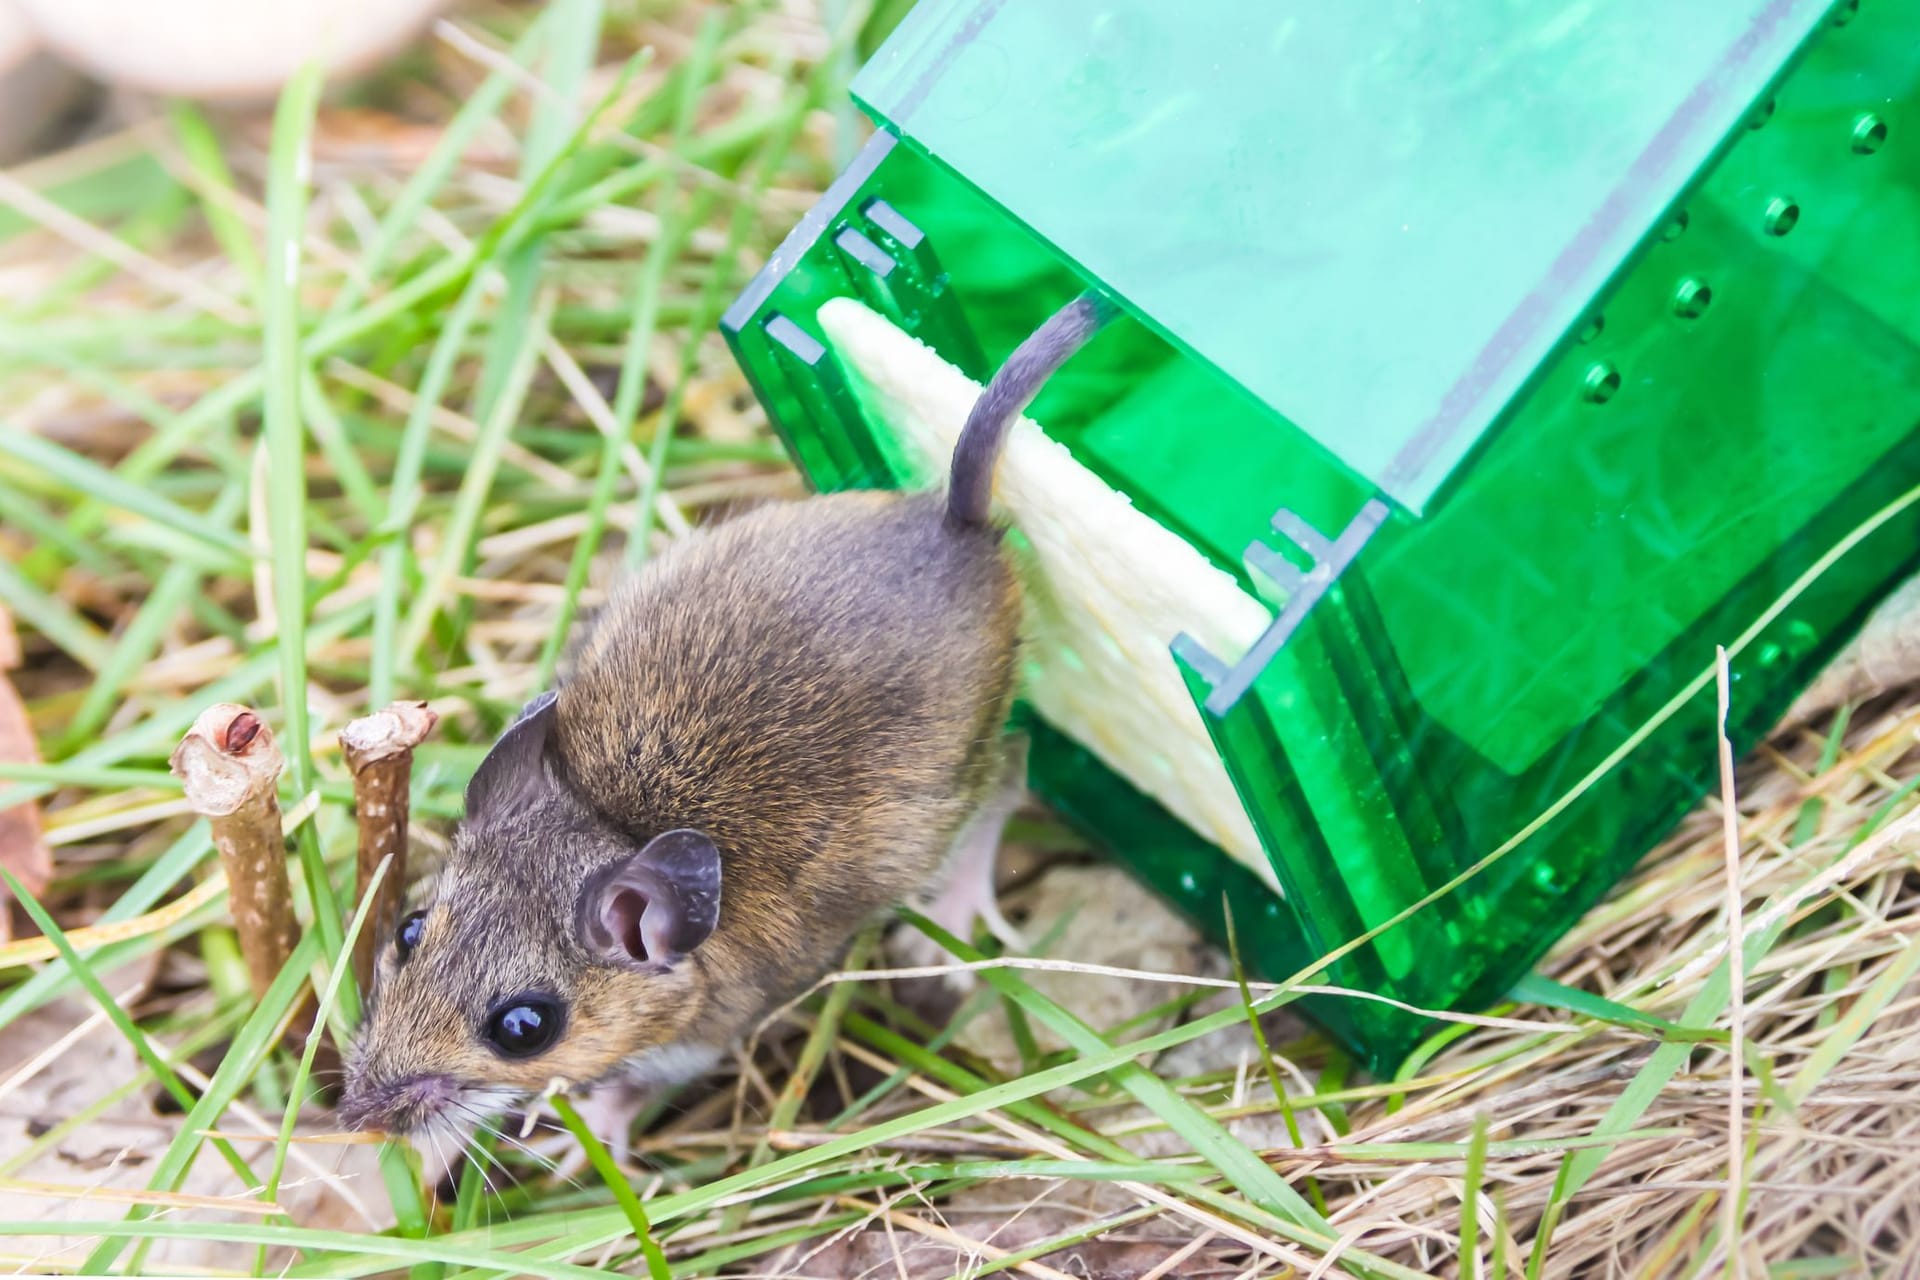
x,y
379,751
230,765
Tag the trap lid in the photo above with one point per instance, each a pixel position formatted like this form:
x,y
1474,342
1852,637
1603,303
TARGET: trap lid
x,y
1378,216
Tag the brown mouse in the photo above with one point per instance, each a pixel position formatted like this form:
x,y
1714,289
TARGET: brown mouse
x,y
772,733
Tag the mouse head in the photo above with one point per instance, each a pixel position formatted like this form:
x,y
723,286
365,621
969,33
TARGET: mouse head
x,y
550,947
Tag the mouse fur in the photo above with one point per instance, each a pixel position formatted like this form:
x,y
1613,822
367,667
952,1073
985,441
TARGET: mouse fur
x,y
769,735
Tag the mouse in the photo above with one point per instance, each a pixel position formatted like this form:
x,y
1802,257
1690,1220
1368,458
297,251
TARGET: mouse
x,y
770,735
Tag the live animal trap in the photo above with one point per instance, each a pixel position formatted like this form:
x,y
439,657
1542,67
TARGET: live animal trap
x,y
1485,366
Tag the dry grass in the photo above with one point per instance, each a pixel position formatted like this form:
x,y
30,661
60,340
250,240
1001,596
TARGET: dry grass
x,y
135,338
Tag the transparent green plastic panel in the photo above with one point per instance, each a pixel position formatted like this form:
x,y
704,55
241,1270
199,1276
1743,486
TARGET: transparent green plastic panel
x,y
1762,356
1527,666
1378,217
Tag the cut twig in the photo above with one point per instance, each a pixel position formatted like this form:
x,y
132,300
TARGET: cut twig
x,y
230,767
379,751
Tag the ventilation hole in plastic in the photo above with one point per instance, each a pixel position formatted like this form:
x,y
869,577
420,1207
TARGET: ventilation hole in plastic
x,y
1602,383
1692,298
1761,114
1676,227
1595,327
1844,13
1782,216
1869,134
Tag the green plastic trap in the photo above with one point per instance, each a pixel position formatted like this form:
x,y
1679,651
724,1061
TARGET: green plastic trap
x,y
1515,354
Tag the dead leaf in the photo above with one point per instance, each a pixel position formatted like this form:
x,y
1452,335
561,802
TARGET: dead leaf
x,y
23,848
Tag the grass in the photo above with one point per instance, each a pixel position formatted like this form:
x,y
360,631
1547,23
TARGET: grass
x,y
329,409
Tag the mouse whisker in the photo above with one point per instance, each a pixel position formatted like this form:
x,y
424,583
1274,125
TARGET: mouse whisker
x,y
491,1125
438,1172
481,1159
543,1163
478,1152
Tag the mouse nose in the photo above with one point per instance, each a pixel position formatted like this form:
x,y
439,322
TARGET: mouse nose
x,y
397,1106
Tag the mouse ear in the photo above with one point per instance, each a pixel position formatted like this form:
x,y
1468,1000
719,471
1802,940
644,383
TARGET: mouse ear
x,y
655,905
514,773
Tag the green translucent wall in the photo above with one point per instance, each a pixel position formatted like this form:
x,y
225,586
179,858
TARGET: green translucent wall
x,y
1376,216
1712,405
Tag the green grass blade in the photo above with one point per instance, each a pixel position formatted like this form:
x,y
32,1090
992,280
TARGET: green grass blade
x,y
1274,1081
930,1064
602,1162
114,490
162,1070
1240,1166
141,638
404,214
1537,988
104,779
593,1228
297,1093
284,430
167,870
813,1054
201,147
630,391
516,339
53,618
403,491
348,1252
1659,1069
51,538
1855,1022
459,530
156,736
338,448
1470,1201
249,1048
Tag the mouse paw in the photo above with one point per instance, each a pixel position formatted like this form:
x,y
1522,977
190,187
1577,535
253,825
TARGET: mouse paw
x,y
609,1110
968,894
908,948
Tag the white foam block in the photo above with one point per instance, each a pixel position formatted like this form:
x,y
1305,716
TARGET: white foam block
x,y
1107,587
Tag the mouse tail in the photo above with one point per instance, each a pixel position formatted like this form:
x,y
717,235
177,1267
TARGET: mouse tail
x,y
970,490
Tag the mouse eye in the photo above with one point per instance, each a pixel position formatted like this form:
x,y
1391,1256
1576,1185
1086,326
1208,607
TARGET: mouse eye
x,y
407,936
524,1025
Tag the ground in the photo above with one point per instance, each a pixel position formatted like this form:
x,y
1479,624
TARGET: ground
x,y
493,378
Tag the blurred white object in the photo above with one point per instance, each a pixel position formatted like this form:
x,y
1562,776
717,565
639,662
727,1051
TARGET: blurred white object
x,y
222,49
35,87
